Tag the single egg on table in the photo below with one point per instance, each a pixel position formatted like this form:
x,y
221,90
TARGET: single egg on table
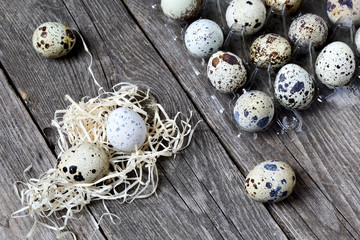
x,y
226,72
357,40
125,129
53,39
84,163
203,37
254,111
294,87
270,181
340,8
278,5
247,15
270,48
308,27
181,10
335,66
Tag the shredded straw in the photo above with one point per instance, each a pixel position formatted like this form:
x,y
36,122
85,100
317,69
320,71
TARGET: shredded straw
x,y
134,175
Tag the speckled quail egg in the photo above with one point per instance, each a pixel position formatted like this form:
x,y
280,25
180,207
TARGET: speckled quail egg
x,y
181,10
249,15
270,48
343,8
125,129
294,88
85,162
254,111
357,40
226,72
308,27
53,39
270,181
203,37
335,65
278,5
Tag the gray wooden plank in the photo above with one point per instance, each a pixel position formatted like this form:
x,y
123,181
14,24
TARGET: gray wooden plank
x,y
22,145
196,209
312,210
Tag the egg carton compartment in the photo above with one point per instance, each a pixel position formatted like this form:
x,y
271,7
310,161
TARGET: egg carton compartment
x,y
262,78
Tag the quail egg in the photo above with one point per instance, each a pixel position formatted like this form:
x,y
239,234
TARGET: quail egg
x,y
278,5
308,27
85,163
270,181
249,15
335,65
53,39
343,8
226,72
254,111
270,48
357,40
203,37
125,129
181,10
294,87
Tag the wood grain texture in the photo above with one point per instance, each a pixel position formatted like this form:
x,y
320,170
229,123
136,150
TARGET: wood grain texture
x,y
22,145
325,201
199,195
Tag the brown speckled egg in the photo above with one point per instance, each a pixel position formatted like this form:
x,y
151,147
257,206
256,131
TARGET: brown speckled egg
x,y
226,72
294,87
357,40
270,48
308,27
278,5
181,10
85,163
270,181
53,40
343,8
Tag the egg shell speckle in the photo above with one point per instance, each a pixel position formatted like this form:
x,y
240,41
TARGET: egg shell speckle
x,y
125,129
343,8
270,181
203,37
308,27
53,40
254,111
278,5
294,88
335,65
84,163
249,15
226,72
270,48
181,10
357,40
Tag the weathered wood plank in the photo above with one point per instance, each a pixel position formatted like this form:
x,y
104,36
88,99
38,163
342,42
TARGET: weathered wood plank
x,y
22,145
317,207
196,198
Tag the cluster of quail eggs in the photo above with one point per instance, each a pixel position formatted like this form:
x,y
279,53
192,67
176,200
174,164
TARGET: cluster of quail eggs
x,y
293,88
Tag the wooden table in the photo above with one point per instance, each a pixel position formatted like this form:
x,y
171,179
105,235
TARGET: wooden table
x,y
200,193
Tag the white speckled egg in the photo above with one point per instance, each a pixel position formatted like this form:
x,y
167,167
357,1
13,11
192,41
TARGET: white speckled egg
x,y
343,8
203,37
335,65
308,27
294,88
53,40
226,71
270,181
278,5
125,129
181,10
254,111
85,163
270,48
249,15
357,40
